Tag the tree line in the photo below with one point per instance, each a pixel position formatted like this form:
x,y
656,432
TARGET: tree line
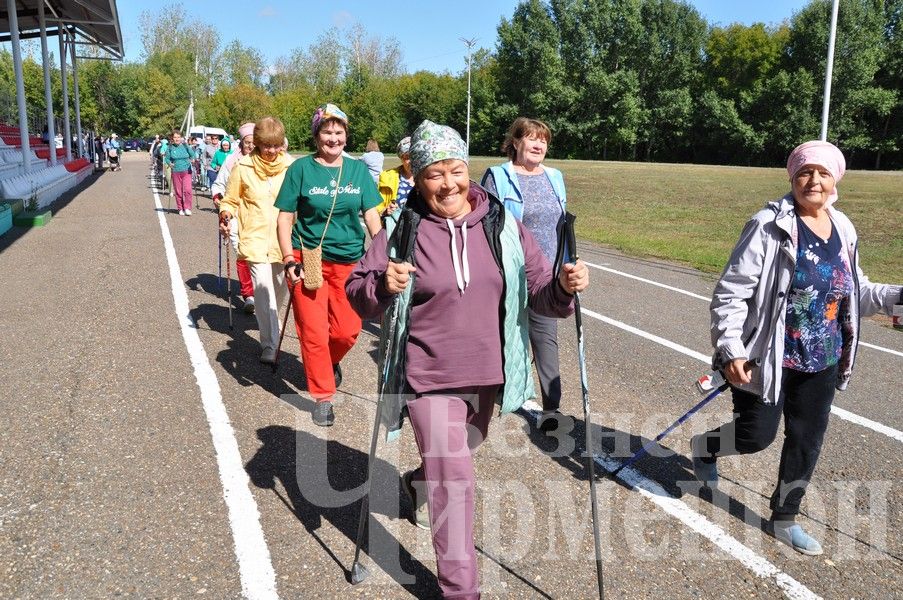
x,y
646,80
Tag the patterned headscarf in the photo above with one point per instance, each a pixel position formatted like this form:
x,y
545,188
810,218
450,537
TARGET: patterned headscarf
x,y
823,154
404,146
324,112
431,143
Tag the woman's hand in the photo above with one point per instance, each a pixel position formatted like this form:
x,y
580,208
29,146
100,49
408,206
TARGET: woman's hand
x,y
574,277
397,276
393,206
225,219
293,273
737,371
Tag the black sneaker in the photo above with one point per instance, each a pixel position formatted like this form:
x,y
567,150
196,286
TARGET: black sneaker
x,y
323,414
337,374
420,513
549,423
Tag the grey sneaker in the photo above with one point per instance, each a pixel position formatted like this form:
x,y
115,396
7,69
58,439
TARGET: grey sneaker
x,y
323,414
420,513
792,534
705,472
268,356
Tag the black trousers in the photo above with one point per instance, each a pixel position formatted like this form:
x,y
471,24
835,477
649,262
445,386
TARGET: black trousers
x,y
805,403
544,342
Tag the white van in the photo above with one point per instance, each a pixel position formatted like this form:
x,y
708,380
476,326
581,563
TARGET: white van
x,y
202,131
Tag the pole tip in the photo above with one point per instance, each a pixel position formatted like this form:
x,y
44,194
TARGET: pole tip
x,y
358,573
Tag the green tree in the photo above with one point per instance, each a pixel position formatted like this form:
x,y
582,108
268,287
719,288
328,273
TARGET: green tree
x,y
231,106
243,65
858,106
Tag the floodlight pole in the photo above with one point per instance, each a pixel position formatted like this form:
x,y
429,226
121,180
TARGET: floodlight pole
x,y
829,72
469,43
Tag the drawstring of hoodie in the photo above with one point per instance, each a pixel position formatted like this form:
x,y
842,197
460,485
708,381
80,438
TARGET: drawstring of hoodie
x,y
462,276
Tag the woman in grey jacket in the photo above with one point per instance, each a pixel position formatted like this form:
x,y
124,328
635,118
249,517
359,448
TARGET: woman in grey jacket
x,y
789,301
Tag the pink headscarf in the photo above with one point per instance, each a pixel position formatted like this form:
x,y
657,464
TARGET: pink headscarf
x,y
823,154
244,130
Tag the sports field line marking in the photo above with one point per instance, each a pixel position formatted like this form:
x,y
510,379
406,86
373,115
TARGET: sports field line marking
x,y
881,348
681,511
258,579
839,412
649,281
708,299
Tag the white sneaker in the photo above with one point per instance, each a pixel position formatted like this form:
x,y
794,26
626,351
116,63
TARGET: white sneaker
x,y
249,305
187,212
181,213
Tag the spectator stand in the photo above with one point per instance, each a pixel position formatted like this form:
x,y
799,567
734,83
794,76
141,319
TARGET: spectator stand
x,y
34,173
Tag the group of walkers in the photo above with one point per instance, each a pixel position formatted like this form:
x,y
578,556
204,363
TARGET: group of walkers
x,y
476,277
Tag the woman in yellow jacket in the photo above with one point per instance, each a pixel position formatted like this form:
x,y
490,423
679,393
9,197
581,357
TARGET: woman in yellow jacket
x,y
250,193
395,184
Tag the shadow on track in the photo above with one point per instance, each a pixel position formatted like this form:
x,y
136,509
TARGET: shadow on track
x,y
319,478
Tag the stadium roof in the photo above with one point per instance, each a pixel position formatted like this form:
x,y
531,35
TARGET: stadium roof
x,y
95,21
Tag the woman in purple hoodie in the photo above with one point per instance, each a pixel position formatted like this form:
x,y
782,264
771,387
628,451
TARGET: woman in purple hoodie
x,y
455,355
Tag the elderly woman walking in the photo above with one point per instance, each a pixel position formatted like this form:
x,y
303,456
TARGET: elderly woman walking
x,y
463,294
789,301
252,188
319,228
535,195
246,146
178,156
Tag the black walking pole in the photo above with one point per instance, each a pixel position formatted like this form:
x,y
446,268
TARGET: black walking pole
x,y
288,311
228,242
404,250
219,237
570,240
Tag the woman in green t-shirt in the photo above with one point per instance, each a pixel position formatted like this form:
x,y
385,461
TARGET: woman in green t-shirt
x,y
320,204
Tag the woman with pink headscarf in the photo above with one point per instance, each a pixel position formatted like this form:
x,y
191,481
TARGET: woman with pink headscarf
x,y
785,327
218,190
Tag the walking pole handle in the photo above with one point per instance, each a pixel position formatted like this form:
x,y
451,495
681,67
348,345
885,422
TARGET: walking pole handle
x,y
570,236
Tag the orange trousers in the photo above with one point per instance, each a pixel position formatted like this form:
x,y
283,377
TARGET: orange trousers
x,y
327,327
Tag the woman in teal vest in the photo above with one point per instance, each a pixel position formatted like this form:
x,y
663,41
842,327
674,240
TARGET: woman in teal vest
x,y
534,193
456,354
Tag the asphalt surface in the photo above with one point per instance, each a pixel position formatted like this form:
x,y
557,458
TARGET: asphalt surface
x,y
112,486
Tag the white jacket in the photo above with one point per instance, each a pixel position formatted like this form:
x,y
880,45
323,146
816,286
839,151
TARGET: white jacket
x,y
749,304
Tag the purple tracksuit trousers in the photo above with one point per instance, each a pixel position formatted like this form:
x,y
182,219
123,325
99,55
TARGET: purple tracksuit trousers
x,y
448,426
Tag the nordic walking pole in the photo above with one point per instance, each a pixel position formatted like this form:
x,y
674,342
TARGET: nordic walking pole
x,y
358,571
571,242
645,449
403,253
219,236
288,311
714,383
229,277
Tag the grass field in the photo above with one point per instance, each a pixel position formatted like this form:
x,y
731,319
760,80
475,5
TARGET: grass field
x,y
693,214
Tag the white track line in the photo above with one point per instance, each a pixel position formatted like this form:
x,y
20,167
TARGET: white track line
x,y
839,412
881,348
258,580
678,509
649,281
707,298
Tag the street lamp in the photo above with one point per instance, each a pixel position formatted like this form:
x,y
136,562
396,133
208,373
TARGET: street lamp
x,y
829,71
469,43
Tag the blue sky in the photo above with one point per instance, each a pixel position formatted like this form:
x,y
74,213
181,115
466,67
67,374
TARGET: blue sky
x,y
429,35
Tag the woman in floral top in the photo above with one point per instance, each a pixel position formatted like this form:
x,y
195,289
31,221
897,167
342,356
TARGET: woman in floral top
x,y
785,326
